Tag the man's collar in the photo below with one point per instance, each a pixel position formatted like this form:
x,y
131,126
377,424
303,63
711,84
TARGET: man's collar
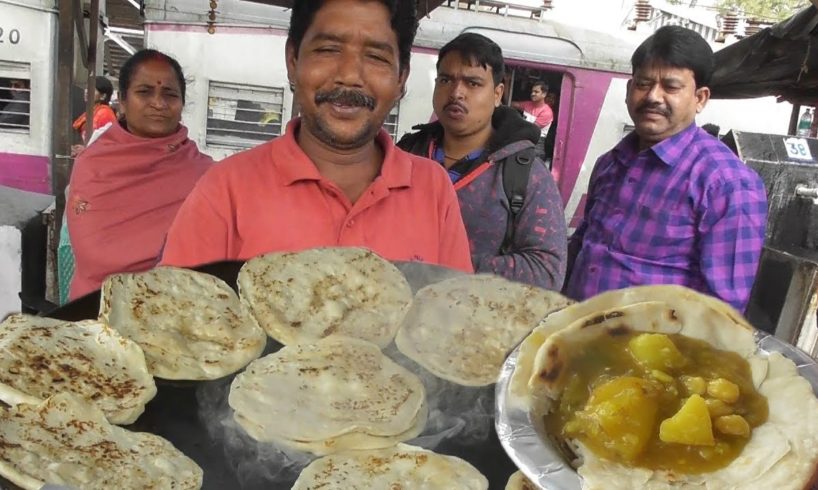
x,y
666,150
295,165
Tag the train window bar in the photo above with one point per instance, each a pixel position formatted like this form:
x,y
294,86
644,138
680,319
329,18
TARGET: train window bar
x,y
15,104
391,123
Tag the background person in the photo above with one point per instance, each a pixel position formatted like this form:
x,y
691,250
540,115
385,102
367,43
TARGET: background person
x,y
15,111
670,204
539,112
508,199
126,188
103,113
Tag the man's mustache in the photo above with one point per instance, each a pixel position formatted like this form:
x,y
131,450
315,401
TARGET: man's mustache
x,y
456,104
653,107
350,98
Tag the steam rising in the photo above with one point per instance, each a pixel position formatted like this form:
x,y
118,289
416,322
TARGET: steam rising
x,y
455,412
256,465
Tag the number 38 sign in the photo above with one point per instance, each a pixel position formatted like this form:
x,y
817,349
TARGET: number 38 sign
x,y
797,148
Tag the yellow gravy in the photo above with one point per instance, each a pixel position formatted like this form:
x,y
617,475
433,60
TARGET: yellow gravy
x,y
659,402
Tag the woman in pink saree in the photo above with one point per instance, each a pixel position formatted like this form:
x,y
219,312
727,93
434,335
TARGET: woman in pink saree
x,y
127,186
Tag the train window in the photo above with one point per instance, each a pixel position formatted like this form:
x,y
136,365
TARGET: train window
x,y
242,116
15,104
391,123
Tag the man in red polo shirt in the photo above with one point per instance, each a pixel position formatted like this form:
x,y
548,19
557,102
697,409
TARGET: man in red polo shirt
x,y
335,178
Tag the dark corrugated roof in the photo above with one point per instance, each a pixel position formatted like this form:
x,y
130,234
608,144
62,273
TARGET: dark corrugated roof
x,y
781,61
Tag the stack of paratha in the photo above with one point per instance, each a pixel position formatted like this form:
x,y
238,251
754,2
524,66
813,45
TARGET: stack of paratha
x,y
305,296
782,452
461,329
42,357
191,326
397,467
67,441
334,394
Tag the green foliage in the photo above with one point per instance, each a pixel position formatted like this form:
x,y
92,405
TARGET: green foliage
x,y
770,10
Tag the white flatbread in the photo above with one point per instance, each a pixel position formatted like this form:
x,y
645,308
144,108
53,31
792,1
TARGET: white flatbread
x,y
461,329
311,393
782,453
401,467
67,441
305,296
42,357
190,325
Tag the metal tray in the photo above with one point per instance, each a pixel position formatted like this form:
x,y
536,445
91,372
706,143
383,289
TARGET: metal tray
x,y
525,442
194,416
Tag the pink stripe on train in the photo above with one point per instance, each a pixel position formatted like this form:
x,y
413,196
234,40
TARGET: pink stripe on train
x,y
25,172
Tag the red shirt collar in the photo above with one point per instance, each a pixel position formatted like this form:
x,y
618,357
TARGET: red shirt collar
x,y
295,165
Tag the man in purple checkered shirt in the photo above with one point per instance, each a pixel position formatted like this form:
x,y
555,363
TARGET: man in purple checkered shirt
x,y
670,204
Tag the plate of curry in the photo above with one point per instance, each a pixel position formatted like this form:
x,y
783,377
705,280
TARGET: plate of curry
x,y
658,388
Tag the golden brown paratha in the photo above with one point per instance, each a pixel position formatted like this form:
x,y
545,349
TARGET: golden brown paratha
x,y
42,357
461,329
300,297
190,325
324,395
398,467
67,441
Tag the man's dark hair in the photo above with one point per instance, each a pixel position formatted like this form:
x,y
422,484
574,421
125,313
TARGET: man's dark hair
x,y
142,56
479,50
540,83
403,17
677,47
104,87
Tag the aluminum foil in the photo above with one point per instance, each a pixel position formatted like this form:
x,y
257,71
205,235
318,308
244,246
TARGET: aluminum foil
x,y
524,440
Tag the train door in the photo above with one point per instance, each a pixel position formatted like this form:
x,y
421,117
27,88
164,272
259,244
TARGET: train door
x,y
527,89
589,118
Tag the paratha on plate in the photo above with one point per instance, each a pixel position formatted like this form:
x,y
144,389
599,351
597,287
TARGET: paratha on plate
x,y
67,441
400,467
42,357
461,329
779,450
300,297
338,387
190,325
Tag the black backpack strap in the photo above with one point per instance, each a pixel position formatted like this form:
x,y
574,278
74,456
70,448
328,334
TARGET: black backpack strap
x,y
516,170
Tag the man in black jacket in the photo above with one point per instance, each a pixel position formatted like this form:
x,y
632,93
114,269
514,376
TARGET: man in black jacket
x,y
510,205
